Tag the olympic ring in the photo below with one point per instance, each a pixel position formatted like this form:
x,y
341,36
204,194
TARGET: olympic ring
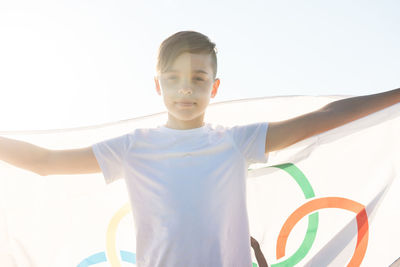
x,y
100,257
313,219
111,247
329,202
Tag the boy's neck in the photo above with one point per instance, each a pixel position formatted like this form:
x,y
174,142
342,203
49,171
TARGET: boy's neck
x,y
174,123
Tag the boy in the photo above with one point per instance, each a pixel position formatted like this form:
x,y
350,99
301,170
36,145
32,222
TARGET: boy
x,y
186,179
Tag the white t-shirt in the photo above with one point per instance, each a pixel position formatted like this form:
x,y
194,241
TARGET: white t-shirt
x,y
187,190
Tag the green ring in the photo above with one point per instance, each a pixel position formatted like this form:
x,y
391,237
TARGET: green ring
x,y
311,233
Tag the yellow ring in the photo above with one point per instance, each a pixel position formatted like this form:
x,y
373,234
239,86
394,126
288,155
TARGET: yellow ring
x,y
111,246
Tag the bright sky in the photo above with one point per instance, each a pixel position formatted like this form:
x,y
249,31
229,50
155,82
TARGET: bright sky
x,y
77,63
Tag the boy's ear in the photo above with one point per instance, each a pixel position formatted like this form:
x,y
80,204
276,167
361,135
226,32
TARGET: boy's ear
x,y
215,88
158,88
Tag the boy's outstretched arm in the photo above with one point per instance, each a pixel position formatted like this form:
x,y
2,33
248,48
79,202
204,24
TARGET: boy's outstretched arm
x,y
285,133
44,161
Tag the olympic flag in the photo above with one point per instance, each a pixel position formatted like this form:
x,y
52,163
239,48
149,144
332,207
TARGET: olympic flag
x,y
330,200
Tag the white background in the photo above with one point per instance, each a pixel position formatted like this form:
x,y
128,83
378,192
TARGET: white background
x,y
73,63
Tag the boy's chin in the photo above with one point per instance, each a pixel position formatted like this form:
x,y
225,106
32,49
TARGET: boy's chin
x,y
186,117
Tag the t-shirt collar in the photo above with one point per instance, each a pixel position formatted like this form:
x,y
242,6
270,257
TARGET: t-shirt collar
x,y
201,129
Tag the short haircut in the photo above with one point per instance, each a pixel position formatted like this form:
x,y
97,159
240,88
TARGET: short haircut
x,y
185,41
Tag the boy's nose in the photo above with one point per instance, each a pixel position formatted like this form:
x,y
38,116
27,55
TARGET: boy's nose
x,y
186,91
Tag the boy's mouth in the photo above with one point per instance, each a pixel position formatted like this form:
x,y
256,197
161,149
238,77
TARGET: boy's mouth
x,y
185,104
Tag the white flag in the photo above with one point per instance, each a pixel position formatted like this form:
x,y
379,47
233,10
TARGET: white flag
x,y
330,200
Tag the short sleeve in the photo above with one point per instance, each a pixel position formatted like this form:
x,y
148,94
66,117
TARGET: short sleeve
x,y
250,140
110,155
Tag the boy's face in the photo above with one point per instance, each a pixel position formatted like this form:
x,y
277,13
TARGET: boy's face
x,y
187,87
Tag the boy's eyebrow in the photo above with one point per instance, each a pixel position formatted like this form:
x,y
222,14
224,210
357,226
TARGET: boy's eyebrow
x,y
196,71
